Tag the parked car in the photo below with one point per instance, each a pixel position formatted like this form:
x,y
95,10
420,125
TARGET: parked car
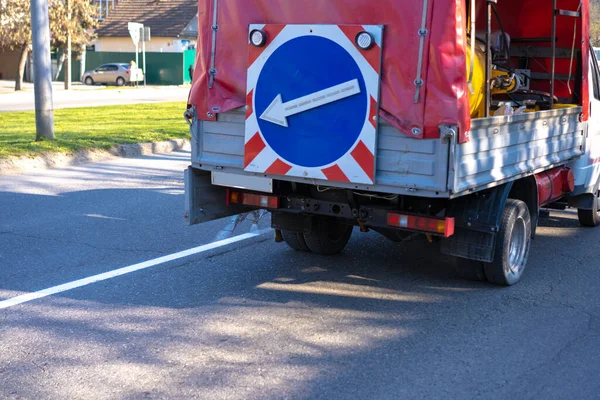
x,y
116,73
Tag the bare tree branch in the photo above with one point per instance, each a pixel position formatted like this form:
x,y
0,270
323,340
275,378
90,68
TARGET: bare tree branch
x,y
15,26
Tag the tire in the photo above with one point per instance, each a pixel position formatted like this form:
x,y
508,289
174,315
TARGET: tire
x,y
329,237
120,81
589,218
295,240
89,81
512,245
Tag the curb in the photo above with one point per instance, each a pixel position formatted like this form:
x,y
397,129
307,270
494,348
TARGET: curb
x,y
13,165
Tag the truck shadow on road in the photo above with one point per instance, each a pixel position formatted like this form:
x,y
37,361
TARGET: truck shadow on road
x,y
381,320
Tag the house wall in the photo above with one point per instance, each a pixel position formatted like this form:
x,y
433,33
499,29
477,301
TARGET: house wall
x,y
156,44
189,60
9,64
161,68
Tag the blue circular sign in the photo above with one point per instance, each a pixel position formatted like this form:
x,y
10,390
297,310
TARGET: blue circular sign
x,y
303,66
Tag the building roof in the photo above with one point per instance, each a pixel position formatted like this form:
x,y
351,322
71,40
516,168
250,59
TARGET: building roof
x,y
166,18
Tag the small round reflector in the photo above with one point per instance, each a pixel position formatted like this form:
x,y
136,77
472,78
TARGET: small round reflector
x,y
258,37
365,40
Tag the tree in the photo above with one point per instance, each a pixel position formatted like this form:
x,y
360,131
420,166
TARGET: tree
x,y
74,20
15,32
595,22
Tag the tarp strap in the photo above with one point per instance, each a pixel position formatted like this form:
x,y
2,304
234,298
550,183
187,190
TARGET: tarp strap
x,y
215,27
422,33
473,39
573,51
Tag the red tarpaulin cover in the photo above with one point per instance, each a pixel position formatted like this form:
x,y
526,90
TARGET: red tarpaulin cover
x,y
443,97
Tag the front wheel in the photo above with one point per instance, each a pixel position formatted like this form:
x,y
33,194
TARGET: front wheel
x,y
589,218
329,236
512,245
89,81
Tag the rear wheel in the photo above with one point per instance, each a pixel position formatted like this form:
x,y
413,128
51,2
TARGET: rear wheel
x,y
329,236
589,218
512,245
89,81
295,240
120,81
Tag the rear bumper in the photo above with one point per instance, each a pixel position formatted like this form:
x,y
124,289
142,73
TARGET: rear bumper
x,y
368,216
206,201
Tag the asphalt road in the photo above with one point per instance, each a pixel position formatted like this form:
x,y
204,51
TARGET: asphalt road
x,y
83,96
258,321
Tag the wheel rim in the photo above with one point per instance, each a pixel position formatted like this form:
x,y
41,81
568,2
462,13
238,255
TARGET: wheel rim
x,y
518,246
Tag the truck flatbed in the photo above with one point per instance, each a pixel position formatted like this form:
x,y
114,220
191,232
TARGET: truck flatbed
x,y
500,149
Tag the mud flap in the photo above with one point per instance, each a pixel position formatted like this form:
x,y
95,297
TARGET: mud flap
x,y
473,245
585,199
205,201
477,219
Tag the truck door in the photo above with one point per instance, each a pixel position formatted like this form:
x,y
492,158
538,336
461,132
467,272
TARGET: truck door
x,y
587,167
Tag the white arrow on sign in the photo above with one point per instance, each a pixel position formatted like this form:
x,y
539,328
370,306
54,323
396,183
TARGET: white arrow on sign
x,y
277,112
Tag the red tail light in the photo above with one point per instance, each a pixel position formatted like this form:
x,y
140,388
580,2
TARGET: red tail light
x,y
255,200
437,226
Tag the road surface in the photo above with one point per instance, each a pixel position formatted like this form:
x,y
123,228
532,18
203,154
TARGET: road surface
x,y
85,96
253,320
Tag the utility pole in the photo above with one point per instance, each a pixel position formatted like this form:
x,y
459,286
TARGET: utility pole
x,y
42,70
144,39
82,62
68,65
135,31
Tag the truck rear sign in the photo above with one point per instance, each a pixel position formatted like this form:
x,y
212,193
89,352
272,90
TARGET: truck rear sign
x,y
312,102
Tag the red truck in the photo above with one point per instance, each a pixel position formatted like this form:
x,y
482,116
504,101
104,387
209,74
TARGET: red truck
x,y
458,119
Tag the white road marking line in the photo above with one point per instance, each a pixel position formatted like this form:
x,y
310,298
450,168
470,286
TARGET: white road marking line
x,y
126,270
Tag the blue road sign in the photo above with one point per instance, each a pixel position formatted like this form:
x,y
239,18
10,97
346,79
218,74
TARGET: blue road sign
x,y
326,130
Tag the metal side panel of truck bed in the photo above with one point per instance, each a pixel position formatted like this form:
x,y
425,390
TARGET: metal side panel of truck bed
x,y
403,164
505,148
500,149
